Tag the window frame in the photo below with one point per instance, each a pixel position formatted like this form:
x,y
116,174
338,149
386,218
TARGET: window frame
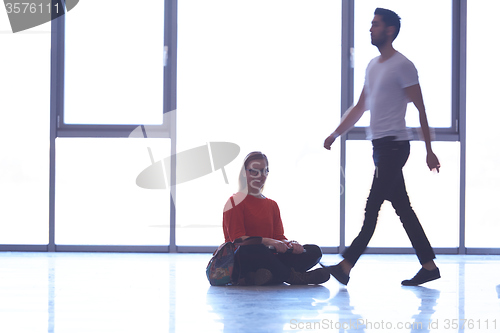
x,y
61,130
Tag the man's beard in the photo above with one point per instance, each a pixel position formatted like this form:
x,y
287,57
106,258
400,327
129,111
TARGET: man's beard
x,y
379,41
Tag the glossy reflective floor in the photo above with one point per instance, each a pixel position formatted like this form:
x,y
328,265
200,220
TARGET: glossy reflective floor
x,y
85,292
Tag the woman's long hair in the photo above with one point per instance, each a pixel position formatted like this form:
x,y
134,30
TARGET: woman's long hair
x,y
242,180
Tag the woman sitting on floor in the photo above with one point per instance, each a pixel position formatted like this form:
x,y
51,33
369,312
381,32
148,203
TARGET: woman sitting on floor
x,y
249,213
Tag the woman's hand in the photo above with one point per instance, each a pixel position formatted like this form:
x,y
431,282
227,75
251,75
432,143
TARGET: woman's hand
x,y
297,248
281,247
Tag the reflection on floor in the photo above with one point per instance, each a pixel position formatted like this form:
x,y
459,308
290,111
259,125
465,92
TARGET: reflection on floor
x,y
85,292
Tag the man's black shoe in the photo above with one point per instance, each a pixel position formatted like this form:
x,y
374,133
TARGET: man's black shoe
x,y
422,276
337,272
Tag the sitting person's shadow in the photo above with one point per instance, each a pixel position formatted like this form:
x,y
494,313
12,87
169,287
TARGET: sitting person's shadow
x,y
281,308
265,308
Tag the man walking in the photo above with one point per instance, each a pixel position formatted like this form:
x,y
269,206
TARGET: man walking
x,y
391,82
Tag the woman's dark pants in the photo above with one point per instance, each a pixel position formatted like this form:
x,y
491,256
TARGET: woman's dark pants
x,y
253,257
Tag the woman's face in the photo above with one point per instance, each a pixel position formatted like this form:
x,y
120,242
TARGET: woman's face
x,y
256,173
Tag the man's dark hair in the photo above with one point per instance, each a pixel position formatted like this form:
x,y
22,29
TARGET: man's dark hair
x,y
390,18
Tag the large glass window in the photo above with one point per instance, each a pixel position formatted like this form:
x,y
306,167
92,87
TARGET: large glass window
x,y
114,75
114,63
24,152
98,200
483,157
415,41
264,75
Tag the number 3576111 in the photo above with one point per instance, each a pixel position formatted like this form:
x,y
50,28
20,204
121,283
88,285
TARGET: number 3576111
x,y
30,8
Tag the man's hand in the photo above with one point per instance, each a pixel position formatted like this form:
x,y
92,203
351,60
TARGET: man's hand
x,y
433,162
329,141
348,120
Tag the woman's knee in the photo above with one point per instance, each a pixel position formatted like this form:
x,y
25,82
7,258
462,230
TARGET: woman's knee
x,y
313,250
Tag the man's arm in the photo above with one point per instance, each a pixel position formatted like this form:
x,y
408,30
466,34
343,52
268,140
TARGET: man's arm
x,y
349,119
414,94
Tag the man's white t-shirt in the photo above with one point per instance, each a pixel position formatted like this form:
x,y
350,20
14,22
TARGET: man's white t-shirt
x,y
386,98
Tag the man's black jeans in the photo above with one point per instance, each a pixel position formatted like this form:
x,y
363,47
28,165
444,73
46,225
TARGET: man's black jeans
x,y
389,157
